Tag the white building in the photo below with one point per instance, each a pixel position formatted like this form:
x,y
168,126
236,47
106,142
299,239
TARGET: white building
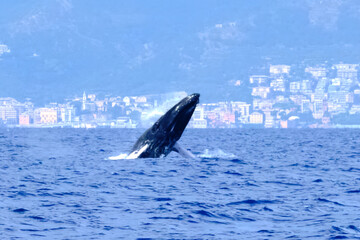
x,y
295,87
198,119
355,109
278,85
347,71
316,72
305,105
8,114
198,123
259,79
256,118
67,114
263,104
269,120
306,87
242,108
279,69
260,92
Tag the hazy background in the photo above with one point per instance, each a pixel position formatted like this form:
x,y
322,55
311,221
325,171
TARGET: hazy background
x,y
56,49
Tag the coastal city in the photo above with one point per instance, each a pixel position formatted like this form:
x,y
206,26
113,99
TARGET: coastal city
x,y
321,96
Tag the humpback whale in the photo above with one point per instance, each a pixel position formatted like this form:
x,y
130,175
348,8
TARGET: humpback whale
x,y
160,139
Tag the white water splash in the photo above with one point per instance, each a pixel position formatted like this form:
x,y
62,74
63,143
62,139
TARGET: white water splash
x,y
216,153
119,157
148,118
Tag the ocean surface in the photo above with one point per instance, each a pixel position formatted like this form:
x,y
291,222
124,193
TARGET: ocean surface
x,y
245,184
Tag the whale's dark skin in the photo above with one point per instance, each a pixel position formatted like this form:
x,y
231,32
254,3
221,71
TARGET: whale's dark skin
x,y
159,140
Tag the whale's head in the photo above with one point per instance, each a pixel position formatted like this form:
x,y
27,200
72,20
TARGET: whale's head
x,y
166,131
174,121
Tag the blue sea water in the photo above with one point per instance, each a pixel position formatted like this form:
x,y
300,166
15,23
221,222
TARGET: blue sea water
x,y
245,184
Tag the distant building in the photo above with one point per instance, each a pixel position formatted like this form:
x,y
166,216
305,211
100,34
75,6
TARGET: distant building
x,y
242,108
141,99
325,120
66,114
45,116
295,87
306,87
91,106
316,72
127,101
349,97
198,123
199,113
321,85
263,104
123,122
283,124
336,108
24,119
318,109
269,120
260,92
278,85
8,114
259,79
279,69
281,98
347,71
198,119
256,118
227,118
7,101
355,109
305,106
297,99
318,115
91,97
336,81
101,105
341,97
84,102
318,96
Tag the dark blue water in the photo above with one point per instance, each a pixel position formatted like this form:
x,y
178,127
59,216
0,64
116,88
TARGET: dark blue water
x,y
247,184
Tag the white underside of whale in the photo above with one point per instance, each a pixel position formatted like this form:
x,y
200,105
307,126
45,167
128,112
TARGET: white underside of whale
x,y
135,154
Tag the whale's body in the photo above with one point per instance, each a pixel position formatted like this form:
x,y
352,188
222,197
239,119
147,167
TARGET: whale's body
x,y
160,139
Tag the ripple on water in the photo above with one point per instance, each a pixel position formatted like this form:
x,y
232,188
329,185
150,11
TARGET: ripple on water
x,y
20,210
253,202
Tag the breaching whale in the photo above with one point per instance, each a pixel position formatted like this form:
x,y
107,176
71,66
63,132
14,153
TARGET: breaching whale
x,y
160,139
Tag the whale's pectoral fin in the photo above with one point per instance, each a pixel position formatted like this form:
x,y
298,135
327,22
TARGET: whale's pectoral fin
x,y
182,151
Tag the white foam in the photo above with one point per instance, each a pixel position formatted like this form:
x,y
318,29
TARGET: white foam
x,y
216,153
119,157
